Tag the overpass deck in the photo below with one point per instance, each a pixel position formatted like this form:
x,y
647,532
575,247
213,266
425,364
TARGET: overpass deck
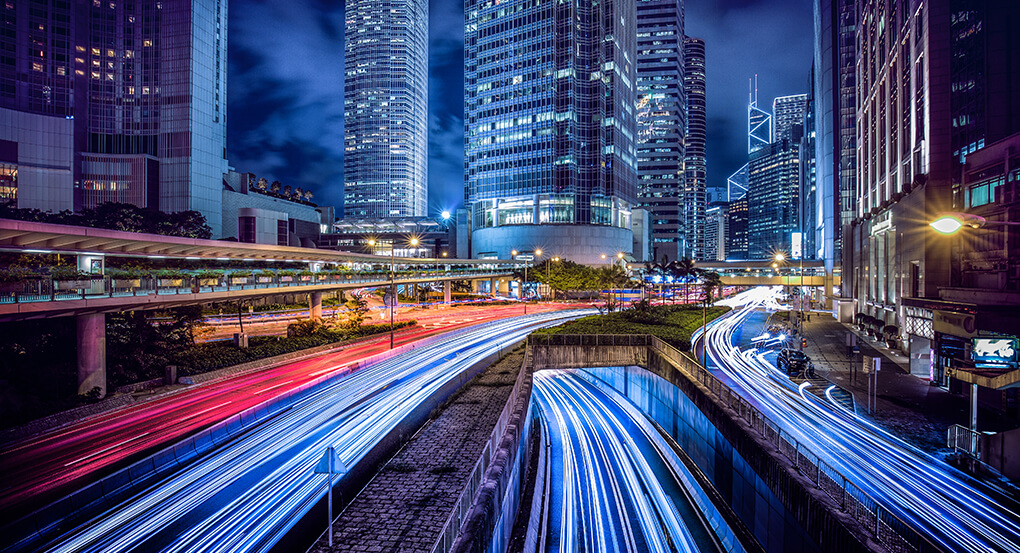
x,y
191,281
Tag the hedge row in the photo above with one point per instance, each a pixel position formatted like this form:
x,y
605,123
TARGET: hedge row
x,y
211,356
673,324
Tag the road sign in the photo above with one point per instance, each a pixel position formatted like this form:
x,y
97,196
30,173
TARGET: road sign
x,y
871,364
524,257
330,463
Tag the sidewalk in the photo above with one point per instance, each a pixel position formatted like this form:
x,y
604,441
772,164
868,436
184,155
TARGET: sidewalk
x,y
907,405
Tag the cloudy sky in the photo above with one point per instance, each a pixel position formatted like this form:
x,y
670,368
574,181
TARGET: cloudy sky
x,y
285,87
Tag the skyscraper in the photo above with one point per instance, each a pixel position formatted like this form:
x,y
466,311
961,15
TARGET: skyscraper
x,y
759,122
661,126
835,98
549,126
386,108
695,162
939,87
788,111
808,186
773,196
115,102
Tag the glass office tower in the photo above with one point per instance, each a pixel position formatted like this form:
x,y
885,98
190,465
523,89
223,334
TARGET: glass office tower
x,y
662,125
386,108
115,102
695,160
549,125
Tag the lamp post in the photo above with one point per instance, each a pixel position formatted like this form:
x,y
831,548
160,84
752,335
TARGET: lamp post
x,y
393,286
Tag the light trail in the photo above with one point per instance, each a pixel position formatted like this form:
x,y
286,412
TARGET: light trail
x,y
247,493
955,511
613,487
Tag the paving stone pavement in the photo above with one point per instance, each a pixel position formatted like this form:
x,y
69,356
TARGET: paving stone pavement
x,y
404,507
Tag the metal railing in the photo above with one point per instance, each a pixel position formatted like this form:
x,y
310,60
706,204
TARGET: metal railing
x,y
47,289
961,438
888,529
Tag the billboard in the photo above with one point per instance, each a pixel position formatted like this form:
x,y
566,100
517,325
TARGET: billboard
x,y
995,350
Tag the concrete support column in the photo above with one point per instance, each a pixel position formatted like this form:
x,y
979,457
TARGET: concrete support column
x,y
447,291
92,353
493,287
315,305
827,292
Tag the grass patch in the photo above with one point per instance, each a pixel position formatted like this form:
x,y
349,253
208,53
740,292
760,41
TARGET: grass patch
x,y
671,323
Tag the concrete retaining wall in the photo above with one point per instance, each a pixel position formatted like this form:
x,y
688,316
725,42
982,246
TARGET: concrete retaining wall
x,y
783,509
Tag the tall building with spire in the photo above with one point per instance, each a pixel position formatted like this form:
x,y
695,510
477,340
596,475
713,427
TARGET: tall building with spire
x,y
386,108
549,127
662,126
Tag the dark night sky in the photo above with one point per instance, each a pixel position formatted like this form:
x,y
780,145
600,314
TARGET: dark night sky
x,y
285,87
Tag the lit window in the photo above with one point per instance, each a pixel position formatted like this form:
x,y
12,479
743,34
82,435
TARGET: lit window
x,y
37,66
145,90
61,70
131,90
95,75
110,53
79,72
96,52
130,54
79,60
147,42
109,76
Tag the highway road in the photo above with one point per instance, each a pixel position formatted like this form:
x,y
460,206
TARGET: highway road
x,y
246,494
953,510
612,487
39,470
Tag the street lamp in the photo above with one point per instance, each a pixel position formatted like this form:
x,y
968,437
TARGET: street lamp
x,y
952,222
393,287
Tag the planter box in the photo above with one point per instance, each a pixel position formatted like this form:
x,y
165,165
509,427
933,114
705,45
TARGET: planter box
x,y
286,279
171,282
239,280
264,280
306,278
127,283
209,282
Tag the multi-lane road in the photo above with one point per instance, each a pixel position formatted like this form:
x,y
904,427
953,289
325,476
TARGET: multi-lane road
x,y
39,470
954,511
246,494
613,485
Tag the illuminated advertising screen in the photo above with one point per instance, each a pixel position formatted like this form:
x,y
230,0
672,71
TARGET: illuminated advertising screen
x,y
995,350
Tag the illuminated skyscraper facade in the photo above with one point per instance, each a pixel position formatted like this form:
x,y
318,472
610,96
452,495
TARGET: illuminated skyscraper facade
x,y
788,111
115,102
695,161
386,108
661,125
550,127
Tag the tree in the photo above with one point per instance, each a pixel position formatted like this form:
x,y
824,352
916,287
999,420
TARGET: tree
x,y
139,348
357,308
709,282
308,195
298,193
683,269
262,183
275,187
286,191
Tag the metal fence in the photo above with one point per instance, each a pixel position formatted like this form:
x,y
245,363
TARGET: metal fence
x,y
887,528
961,438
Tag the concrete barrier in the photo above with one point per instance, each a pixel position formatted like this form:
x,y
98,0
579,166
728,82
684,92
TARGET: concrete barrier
x,y
832,513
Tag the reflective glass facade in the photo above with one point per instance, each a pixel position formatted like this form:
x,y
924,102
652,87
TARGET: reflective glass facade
x,y
386,108
662,122
144,86
695,162
549,117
